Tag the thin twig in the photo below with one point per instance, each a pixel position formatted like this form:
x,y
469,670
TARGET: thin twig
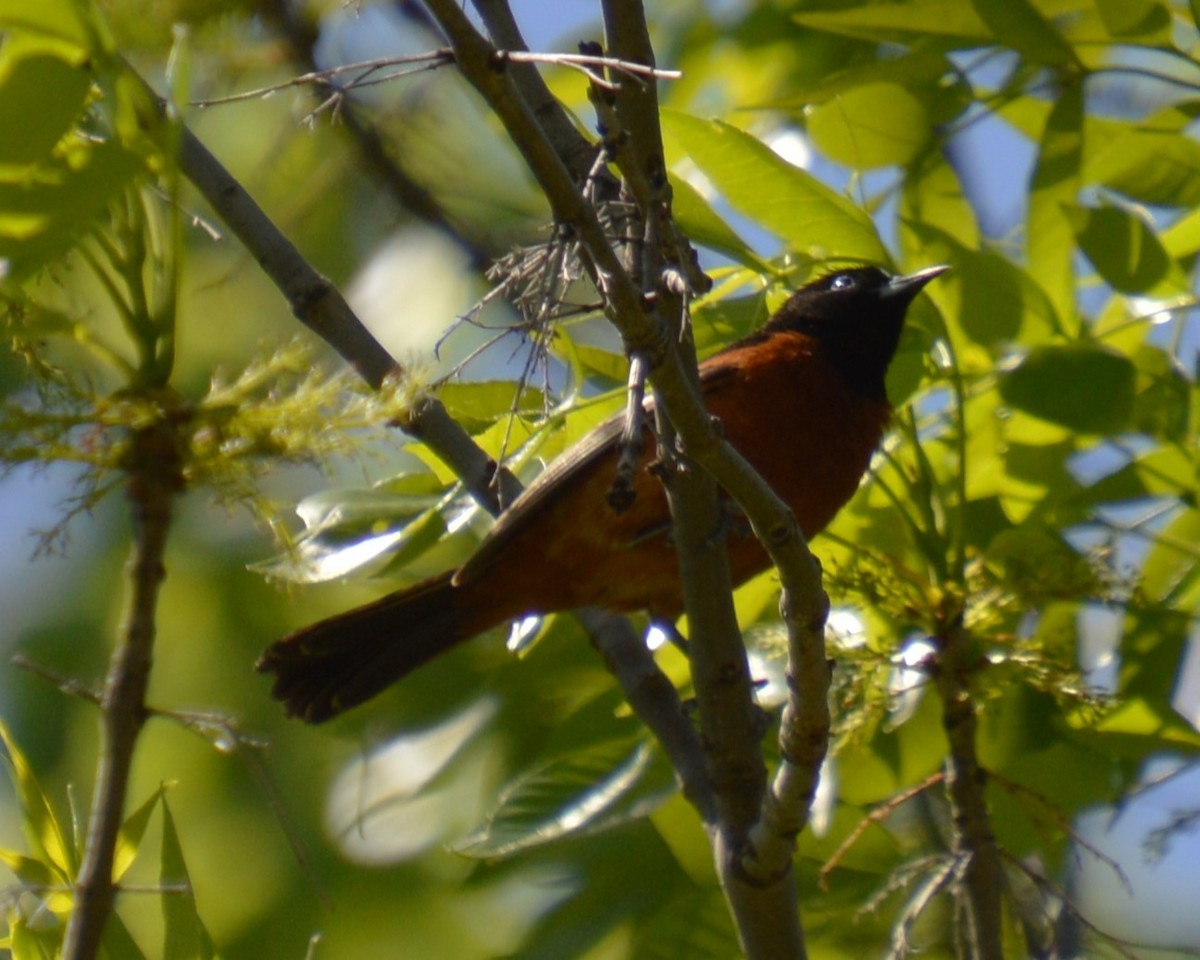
x,y
1064,824
71,686
367,71
878,815
1042,882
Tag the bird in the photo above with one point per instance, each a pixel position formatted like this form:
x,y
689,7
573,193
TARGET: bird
x,y
803,399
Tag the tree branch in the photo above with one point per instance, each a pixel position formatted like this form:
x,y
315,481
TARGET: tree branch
x,y
648,331
980,892
319,305
571,146
155,475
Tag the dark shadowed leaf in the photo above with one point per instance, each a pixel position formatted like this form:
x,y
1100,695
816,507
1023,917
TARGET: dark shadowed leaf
x,y
1082,386
1122,247
1020,25
184,935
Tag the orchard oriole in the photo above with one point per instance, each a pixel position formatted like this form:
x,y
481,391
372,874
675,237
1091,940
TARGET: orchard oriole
x,y
802,399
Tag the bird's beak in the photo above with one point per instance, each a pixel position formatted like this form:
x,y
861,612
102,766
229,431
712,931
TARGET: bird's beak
x,y
910,285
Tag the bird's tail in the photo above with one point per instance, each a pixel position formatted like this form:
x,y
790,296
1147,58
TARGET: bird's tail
x,y
336,664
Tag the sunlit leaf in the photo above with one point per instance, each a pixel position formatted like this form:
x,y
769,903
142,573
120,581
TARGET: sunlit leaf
x,y
704,226
1173,563
586,790
46,835
41,215
477,404
50,18
355,530
925,73
717,323
1056,181
1154,161
933,200
132,831
605,363
1160,471
788,201
870,126
1182,238
1138,718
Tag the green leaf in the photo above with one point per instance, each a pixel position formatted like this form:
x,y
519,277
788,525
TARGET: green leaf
x,y
1133,18
43,213
184,934
932,199
1182,238
31,872
132,831
718,322
1019,25
50,18
874,125
1148,721
1173,564
1154,162
586,790
349,530
118,941
1082,777
1160,471
899,22
30,944
1163,407
1123,248
694,925
478,404
1082,386
704,226
45,834
604,363
42,93
786,200
985,298
1050,238
924,73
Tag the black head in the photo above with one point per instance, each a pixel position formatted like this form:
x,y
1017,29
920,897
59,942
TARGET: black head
x,y
856,314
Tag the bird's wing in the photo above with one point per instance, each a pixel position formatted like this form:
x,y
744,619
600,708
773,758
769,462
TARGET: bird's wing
x,y
562,473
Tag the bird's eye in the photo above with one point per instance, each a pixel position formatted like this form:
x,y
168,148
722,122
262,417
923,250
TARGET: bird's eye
x,y
842,281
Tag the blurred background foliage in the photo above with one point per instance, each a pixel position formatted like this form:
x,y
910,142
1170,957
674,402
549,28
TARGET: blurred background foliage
x,y
1041,476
